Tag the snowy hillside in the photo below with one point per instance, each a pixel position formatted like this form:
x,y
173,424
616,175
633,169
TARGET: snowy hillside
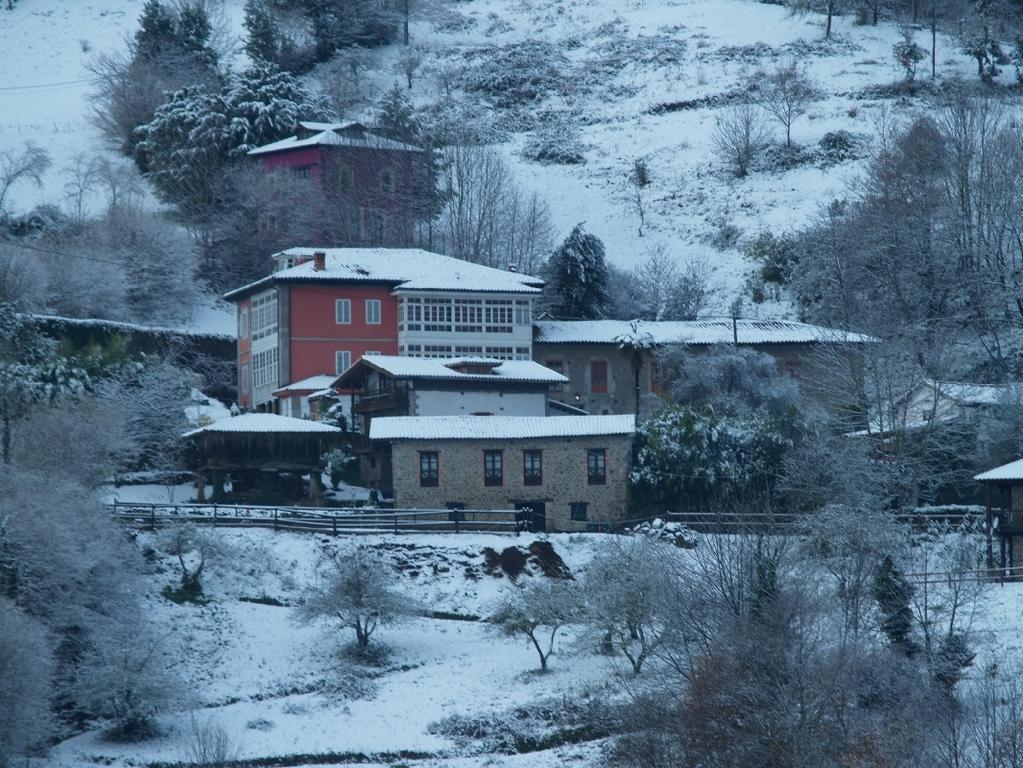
x,y
642,80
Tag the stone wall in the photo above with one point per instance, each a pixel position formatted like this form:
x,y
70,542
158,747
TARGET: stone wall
x,y
573,360
564,477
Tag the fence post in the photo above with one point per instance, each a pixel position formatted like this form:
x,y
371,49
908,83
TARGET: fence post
x,y
275,518
214,515
333,524
396,522
458,516
152,518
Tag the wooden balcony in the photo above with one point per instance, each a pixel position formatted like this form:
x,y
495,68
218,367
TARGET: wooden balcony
x,y
393,400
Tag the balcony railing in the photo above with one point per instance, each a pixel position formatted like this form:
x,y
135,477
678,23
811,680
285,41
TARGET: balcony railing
x,y
376,401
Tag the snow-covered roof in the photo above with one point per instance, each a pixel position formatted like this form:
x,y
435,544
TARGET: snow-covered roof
x,y
348,134
265,423
116,325
1011,471
401,367
497,427
404,268
644,333
312,384
979,394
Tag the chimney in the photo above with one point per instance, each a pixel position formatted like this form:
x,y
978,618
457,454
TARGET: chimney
x,y
319,261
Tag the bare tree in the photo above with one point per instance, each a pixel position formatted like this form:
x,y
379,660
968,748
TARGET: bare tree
x,y
193,547
537,610
82,178
27,165
788,94
409,61
640,180
739,135
627,597
209,745
830,8
358,591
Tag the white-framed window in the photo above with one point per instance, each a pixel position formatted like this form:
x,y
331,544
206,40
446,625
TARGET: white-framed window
x,y
412,314
265,368
522,313
437,315
468,316
342,361
243,322
343,311
499,316
243,383
436,350
264,315
373,311
501,353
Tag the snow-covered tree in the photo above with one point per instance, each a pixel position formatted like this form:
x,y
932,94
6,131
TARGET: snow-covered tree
x,y
261,32
538,609
357,590
627,597
577,278
26,668
193,547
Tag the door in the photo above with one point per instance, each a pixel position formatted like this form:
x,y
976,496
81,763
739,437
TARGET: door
x,y
533,515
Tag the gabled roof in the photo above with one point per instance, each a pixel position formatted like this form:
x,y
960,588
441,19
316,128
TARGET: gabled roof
x,y
401,268
497,427
646,333
264,423
347,134
312,384
443,369
1011,471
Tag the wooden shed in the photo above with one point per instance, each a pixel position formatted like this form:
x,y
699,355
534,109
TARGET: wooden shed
x,y
256,449
1004,501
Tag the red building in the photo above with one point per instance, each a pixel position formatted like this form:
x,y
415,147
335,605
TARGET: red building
x,y
322,310
368,184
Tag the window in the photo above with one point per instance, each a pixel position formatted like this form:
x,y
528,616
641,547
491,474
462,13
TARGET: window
x,y
596,466
498,316
373,311
578,510
244,377
429,469
342,361
343,311
493,467
522,314
413,315
264,368
264,315
598,376
437,315
387,181
501,353
301,171
296,406
532,467
468,316
469,350
435,350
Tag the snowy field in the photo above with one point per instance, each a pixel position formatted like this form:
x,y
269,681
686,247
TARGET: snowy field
x,y
283,690
615,91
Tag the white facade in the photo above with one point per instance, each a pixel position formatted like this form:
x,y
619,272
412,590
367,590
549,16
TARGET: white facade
x,y
458,324
435,402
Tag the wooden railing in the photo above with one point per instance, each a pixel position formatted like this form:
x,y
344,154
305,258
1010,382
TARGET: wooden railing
x,y
793,523
326,520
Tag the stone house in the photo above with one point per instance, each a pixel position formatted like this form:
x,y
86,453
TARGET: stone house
x,y
566,473
612,364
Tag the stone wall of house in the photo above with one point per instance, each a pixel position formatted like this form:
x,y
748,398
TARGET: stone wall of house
x,y
564,477
574,361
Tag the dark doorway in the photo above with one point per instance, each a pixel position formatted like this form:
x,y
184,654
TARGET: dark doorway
x,y
533,515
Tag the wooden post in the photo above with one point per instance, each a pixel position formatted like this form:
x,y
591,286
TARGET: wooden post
x,y
200,487
989,521
333,524
214,515
396,522
152,517
275,518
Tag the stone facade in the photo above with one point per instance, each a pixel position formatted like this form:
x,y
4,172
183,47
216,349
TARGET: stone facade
x,y
625,368
565,480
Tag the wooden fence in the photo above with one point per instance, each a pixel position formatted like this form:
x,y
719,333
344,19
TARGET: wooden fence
x,y
782,523
325,520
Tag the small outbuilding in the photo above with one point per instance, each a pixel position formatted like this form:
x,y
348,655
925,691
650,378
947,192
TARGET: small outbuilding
x,y
264,454
1004,502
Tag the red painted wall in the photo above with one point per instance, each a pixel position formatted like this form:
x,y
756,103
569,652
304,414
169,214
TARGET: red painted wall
x,y
316,336
295,158
244,352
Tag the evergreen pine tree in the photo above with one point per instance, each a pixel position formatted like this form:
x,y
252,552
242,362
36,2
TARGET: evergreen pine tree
x,y
156,34
193,31
893,594
577,278
397,118
262,35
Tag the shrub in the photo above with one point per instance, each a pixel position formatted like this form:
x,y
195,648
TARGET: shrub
x,y
515,74
556,143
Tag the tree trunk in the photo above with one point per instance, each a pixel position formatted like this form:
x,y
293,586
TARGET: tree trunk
x,y
934,40
827,29
405,32
6,439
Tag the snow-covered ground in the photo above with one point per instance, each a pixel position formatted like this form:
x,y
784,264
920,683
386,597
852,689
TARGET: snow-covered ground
x,y
281,689
693,207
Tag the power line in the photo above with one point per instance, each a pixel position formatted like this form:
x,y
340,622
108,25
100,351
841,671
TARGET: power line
x,y
43,86
52,252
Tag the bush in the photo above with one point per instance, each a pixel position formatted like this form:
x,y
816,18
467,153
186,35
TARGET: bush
x,y
515,74
837,147
556,143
